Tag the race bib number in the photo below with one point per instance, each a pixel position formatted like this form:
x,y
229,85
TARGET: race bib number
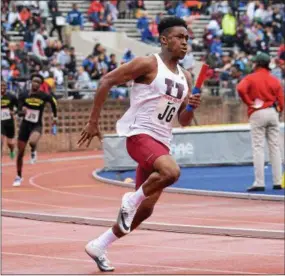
x,y
32,115
165,112
5,114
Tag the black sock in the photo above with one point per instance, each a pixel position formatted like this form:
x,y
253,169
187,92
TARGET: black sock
x,y
33,147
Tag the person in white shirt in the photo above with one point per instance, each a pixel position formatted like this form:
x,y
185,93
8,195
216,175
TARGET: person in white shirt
x,y
44,11
160,94
13,16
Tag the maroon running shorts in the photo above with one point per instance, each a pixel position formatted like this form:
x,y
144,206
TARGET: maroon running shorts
x,y
145,150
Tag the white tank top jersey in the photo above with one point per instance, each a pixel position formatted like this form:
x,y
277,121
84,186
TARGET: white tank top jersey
x,y
154,107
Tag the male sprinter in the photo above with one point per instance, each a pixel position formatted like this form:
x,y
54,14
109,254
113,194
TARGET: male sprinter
x,y
31,107
8,103
161,92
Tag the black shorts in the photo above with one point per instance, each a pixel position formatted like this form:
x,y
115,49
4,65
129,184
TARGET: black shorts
x,y
8,128
26,129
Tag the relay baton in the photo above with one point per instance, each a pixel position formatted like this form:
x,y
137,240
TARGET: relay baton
x,y
199,83
54,130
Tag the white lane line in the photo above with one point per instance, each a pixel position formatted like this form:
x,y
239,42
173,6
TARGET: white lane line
x,y
60,159
130,264
34,184
59,206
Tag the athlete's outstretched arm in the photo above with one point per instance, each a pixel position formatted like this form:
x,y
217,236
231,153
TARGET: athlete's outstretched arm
x,y
126,72
138,67
185,117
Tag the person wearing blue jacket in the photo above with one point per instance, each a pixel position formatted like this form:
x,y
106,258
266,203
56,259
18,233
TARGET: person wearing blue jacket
x,y
75,21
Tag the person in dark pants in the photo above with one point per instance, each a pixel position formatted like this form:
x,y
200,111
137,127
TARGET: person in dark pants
x,y
8,103
264,96
54,14
31,107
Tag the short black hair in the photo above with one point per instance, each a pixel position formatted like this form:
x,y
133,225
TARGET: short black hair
x,y
169,22
36,75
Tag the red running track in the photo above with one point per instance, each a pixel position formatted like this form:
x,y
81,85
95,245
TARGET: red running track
x,y
66,187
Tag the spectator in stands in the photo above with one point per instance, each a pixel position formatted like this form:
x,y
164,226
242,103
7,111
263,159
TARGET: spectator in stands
x,y
112,10
83,79
182,10
12,18
214,27
102,65
25,14
71,66
250,10
104,22
63,58
93,69
229,26
98,49
75,22
158,18
128,56
216,47
44,11
58,74
122,6
44,72
52,4
88,63
143,22
58,21
29,38
39,44
94,10
113,64
153,28
276,69
277,24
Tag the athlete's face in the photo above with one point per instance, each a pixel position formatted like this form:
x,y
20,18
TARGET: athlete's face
x,y
36,83
3,88
175,41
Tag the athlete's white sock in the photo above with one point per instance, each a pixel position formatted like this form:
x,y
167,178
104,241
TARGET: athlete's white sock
x,y
137,197
106,239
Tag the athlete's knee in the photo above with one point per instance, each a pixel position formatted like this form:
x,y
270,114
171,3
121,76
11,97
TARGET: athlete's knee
x,y
20,154
170,175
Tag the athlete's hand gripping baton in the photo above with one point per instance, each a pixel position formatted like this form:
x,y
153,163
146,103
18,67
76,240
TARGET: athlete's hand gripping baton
x,y
199,83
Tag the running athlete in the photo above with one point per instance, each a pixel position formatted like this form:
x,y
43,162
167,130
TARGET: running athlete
x,y
8,103
161,92
31,107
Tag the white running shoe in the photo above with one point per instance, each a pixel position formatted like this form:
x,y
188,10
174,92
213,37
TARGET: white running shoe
x,y
17,182
34,157
126,214
99,256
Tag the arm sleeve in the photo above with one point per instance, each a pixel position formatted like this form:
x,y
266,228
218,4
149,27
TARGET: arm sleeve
x,y
243,89
53,104
280,98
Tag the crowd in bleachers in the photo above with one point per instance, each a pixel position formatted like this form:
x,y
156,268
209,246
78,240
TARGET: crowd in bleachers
x,y
245,27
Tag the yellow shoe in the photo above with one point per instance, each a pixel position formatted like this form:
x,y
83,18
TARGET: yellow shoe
x,y
283,181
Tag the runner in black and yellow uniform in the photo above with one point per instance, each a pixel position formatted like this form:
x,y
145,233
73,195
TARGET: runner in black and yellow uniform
x,y
8,103
31,107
